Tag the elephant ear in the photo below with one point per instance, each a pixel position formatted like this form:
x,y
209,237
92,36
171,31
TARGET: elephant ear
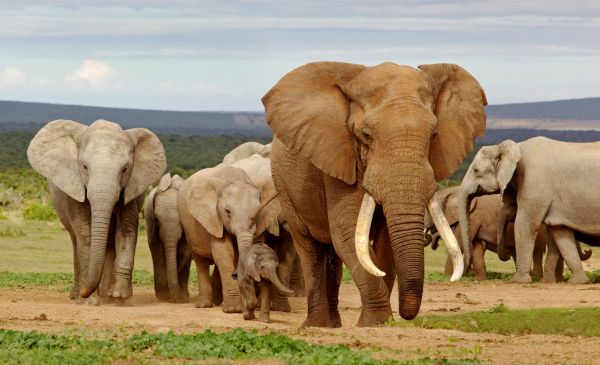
x,y
164,183
202,201
449,203
253,269
149,162
176,182
508,156
459,103
308,112
53,153
268,217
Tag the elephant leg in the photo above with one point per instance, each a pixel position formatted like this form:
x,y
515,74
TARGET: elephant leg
x,y
248,296
560,266
125,242
184,261
538,258
526,231
297,279
284,246
565,240
159,265
217,286
374,291
224,256
205,293
552,261
265,301
107,271
75,290
478,259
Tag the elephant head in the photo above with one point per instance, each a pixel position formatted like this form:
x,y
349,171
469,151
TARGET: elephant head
x,y
395,130
162,214
230,201
102,164
490,173
261,263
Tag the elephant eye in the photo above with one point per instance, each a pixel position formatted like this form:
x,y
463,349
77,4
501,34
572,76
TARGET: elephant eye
x,y
228,212
84,166
367,135
124,170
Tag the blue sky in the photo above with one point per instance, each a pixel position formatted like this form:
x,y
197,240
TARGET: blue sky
x,y
224,55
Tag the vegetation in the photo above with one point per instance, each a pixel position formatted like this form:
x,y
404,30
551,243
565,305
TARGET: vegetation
x,y
502,320
34,347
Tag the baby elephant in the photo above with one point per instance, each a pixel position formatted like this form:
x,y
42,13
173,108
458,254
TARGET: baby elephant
x,y
258,262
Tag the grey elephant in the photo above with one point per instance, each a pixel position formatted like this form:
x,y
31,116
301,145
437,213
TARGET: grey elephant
x,y
97,176
171,255
542,181
356,155
222,211
484,213
246,150
257,270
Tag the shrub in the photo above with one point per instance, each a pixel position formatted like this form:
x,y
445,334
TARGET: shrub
x,y
39,212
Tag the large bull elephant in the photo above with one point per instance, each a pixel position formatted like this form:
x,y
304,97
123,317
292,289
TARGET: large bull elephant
x,y
542,181
358,147
97,176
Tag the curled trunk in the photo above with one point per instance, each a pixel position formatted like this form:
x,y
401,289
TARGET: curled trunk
x,y
277,284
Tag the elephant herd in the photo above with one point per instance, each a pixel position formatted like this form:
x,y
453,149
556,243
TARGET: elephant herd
x,y
350,177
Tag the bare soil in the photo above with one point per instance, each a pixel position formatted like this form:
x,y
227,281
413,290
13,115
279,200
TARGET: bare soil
x,y
50,310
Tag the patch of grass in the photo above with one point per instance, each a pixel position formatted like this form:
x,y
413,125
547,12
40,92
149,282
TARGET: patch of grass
x,y
346,277
500,319
22,280
39,212
594,276
440,277
34,347
11,232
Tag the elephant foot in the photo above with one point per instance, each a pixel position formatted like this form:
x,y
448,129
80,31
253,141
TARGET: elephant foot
x,y
281,304
163,295
265,317
521,278
232,306
330,319
579,278
91,300
203,303
373,318
179,300
122,289
548,279
249,315
481,276
74,292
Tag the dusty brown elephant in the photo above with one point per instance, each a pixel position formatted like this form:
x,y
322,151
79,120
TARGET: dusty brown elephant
x,y
222,211
484,214
97,176
360,147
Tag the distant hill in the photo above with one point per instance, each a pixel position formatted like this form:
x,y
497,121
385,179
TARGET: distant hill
x,y
25,116
576,114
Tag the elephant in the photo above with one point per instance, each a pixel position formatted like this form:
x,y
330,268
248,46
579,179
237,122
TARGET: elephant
x,y
484,213
356,155
222,211
258,261
259,167
97,176
246,150
171,254
542,182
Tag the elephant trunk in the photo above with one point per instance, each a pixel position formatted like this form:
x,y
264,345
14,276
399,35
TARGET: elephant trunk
x,y
170,242
282,289
102,205
244,240
465,196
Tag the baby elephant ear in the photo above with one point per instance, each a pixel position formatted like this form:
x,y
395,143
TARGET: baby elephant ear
x,y
149,162
53,153
459,103
164,183
308,111
253,269
509,155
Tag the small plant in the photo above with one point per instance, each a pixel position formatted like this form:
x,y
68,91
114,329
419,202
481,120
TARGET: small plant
x,y
39,212
499,308
11,232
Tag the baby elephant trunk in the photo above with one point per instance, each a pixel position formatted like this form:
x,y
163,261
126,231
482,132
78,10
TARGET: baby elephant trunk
x,y
282,289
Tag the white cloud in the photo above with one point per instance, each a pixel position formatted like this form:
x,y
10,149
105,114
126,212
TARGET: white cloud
x,y
12,77
97,74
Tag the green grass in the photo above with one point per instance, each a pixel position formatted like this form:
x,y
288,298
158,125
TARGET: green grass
x,y
502,320
33,347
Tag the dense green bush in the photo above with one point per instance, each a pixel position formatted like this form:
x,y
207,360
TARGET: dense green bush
x,y
39,212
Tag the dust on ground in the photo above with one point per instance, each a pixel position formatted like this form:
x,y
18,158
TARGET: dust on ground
x,y
49,310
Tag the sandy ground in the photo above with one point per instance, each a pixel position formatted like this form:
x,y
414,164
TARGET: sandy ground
x,y
23,308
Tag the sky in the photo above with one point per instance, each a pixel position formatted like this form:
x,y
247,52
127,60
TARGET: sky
x,y
225,55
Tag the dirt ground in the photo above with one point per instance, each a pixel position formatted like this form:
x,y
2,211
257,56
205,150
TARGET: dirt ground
x,y
22,309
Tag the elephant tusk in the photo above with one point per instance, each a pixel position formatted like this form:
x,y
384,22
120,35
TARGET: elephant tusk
x,y
361,237
441,224
264,204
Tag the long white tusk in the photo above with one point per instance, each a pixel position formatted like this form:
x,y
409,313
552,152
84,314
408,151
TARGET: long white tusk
x,y
361,238
449,239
